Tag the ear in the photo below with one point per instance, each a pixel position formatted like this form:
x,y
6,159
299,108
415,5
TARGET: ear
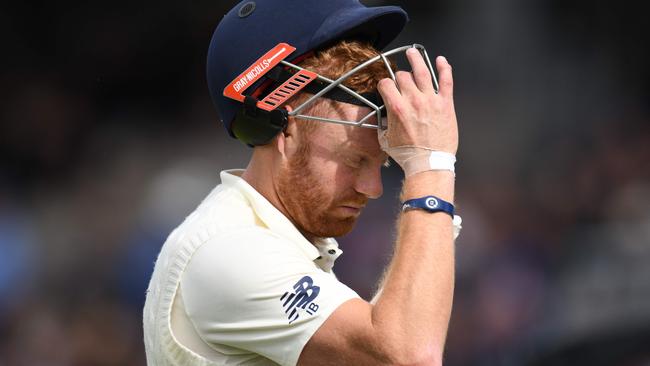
x,y
286,141
290,131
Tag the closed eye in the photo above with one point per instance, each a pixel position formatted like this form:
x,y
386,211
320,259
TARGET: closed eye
x,y
354,162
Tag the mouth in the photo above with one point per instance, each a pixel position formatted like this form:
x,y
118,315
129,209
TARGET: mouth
x,y
351,209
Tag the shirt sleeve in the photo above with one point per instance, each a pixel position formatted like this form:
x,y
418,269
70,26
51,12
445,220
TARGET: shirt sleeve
x,y
258,292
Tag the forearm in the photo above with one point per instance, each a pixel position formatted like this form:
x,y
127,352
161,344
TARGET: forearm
x,y
416,296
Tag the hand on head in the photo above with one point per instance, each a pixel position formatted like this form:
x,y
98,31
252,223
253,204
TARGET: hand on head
x,y
417,115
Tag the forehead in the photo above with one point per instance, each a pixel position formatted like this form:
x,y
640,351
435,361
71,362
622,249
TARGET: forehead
x,y
346,138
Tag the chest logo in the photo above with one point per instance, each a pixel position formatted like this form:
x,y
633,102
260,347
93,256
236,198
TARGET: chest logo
x,y
302,297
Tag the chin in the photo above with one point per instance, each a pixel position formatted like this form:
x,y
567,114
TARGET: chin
x,y
336,228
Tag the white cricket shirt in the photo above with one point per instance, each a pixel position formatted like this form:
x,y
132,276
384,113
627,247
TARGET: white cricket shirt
x,y
237,284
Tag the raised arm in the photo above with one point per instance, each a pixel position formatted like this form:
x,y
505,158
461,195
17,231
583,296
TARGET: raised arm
x,y
407,325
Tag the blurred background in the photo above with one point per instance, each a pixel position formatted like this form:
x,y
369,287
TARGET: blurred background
x,y
108,140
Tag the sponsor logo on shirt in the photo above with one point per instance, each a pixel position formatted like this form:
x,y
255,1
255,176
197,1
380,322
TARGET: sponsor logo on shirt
x,y
302,297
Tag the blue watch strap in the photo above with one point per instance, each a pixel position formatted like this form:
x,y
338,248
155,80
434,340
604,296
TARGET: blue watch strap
x,y
430,204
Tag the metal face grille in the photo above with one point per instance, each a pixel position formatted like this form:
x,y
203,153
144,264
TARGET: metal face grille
x,y
374,118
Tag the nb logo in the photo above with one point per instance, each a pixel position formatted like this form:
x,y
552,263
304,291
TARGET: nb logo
x,y
302,297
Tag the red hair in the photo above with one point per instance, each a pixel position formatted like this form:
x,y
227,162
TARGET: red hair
x,y
336,60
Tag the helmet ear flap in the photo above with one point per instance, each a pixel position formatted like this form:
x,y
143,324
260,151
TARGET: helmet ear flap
x,y
254,126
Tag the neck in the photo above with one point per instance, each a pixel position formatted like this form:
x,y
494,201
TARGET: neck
x,y
260,174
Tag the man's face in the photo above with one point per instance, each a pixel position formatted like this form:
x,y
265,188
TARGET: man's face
x,y
329,178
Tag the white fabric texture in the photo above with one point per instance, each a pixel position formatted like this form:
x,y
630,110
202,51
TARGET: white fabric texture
x,y
237,283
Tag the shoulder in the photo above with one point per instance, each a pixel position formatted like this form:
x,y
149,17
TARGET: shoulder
x,y
225,209
245,242
236,263
245,256
256,291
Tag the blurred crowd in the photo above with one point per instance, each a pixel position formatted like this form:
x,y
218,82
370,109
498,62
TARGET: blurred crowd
x,y
108,139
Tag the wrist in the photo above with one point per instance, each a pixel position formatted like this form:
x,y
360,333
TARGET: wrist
x,y
415,159
439,183
430,204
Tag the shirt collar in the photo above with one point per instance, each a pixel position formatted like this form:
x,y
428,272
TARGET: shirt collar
x,y
272,217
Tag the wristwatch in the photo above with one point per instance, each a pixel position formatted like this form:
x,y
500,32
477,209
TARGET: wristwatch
x,y
429,204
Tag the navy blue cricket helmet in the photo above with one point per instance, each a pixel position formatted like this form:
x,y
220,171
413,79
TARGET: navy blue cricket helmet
x,y
252,28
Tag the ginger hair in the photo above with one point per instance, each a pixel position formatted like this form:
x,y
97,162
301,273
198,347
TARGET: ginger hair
x,y
334,61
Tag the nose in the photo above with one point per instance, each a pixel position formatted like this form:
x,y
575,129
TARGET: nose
x,y
369,182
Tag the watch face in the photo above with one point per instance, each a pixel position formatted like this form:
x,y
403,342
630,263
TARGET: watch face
x,y
431,202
